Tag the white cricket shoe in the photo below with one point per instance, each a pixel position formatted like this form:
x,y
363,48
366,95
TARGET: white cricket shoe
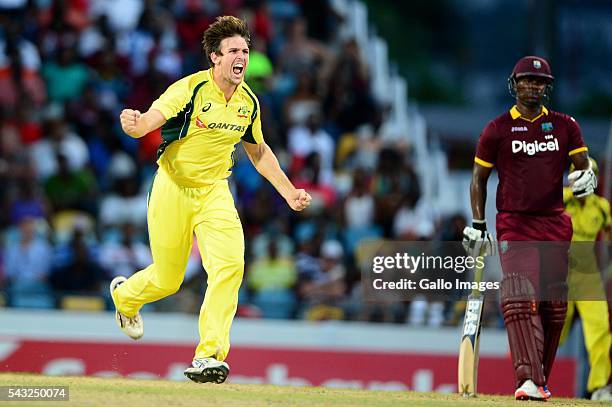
x,y
603,393
530,391
207,370
132,327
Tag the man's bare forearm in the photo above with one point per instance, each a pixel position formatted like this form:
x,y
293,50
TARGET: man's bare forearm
x,y
137,125
267,165
478,196
478,191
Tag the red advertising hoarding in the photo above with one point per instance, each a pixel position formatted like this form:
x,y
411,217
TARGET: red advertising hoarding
x,y
274,365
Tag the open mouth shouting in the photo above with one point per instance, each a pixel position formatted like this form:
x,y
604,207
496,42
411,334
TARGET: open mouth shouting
x,y
238,69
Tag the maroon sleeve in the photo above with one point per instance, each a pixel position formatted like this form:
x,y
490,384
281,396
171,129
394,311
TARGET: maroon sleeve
x,y
575,142
486,150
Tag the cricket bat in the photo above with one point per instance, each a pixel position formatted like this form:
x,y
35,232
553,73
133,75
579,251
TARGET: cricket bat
x,y
470,340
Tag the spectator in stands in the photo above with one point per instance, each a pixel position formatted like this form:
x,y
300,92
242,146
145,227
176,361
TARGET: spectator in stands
x,y
137,45
322,289
358,212
80,272
278,231
272,278
321,19
122,15
349,102
308,138
310,176
272,272
59,139
74,190
358,208
108,80
96,37
413,220
394,183
263,22
29,203
124,204
15,166
304,102
63,14
12,8
301,53
261,206
126,255
19,70
25,122
27,265
65,77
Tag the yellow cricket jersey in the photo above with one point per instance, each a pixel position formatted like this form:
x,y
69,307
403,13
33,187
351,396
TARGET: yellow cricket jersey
x,y
588,219
202,128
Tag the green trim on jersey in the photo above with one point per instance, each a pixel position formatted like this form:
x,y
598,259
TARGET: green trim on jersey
x,y
150,189
176,127
248,134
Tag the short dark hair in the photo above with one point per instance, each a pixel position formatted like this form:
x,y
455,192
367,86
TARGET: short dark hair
x,y
224,27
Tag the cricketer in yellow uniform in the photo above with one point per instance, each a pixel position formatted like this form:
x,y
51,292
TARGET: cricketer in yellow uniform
x,y
590,215
202,117
190,193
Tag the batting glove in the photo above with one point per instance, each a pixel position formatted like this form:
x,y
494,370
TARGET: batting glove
x,y
582,182
477,241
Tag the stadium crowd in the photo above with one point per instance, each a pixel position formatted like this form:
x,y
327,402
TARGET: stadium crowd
x,y
74,187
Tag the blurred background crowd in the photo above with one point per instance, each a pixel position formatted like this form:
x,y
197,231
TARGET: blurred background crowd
x,y
74,187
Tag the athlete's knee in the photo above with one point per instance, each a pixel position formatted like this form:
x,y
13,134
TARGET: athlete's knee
x,y
168,279
525,333
556,292
235,265
518,298
554,309
234,261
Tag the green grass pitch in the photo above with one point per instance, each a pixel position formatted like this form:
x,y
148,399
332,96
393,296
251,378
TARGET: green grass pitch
x,y
94,391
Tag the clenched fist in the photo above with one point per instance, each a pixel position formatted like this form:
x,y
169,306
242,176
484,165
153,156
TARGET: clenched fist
x,y
129,121
299,200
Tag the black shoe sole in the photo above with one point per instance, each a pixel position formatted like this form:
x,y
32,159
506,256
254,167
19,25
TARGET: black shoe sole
x,y
209,375
529,398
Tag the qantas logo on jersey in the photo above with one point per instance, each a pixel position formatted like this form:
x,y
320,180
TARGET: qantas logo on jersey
x,y
552,144
223,126
519,128
200,123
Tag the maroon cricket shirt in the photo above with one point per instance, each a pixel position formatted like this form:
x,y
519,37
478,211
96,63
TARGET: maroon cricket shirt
x,y
531,157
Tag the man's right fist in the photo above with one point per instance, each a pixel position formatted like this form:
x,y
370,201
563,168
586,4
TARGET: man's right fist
x,y
129,121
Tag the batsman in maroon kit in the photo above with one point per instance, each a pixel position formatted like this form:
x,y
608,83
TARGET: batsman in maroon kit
x,y
529,145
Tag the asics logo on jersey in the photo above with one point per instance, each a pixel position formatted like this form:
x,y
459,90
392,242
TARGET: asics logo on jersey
x,y
519,128
535,147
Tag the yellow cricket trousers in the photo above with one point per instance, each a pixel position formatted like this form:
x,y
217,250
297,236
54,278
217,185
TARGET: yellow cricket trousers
x,y
587,296
174,213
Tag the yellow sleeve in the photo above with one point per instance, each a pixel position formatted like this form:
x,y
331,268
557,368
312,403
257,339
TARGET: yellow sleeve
x,y
605,208
567,195
174,99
